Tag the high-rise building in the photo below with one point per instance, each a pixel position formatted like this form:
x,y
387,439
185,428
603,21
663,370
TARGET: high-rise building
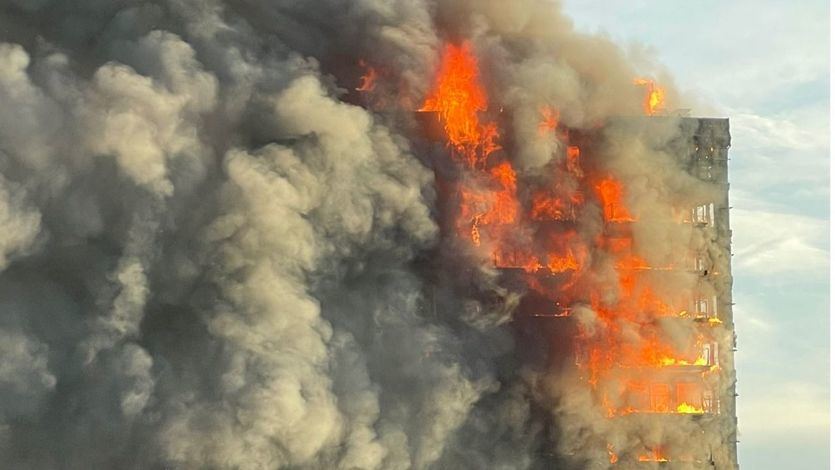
x,y
654,386
640,336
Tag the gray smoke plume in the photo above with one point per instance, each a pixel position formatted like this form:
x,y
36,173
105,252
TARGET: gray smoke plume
x,y
216,254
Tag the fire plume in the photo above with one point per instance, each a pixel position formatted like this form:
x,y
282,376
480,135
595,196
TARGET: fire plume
x,y
654,99
611,197
458,97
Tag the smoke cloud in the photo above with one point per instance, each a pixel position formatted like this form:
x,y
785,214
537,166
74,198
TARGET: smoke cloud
x,y
217,253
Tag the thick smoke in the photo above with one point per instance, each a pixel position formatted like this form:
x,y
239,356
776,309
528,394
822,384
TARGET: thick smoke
x,y
215,253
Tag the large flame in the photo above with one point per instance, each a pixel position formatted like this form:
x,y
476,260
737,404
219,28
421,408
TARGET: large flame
x,y
495,205
498,212
458,97
611,196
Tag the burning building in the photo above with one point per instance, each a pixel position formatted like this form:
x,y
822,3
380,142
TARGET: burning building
x,y
616,269
374,234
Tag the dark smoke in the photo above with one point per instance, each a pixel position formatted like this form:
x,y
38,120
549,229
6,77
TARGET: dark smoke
x,y
216,254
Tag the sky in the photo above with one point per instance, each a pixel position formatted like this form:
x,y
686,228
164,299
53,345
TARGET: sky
x,y
765,65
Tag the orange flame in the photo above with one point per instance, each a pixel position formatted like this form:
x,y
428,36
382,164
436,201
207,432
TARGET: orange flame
x,y
613,457
635,308
550,120
654,100
546,207
368,81
558,264
611,195
504,209
686,408
655,456
475,235
459,97
572,161
496,206
491,215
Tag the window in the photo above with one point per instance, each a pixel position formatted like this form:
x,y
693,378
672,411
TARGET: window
x,y
689,393
659,398
703,215
701,308
705,307
707,172
700,264
709,402
709,353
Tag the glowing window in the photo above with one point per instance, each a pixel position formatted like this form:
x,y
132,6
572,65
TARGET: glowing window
x,y
659,398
